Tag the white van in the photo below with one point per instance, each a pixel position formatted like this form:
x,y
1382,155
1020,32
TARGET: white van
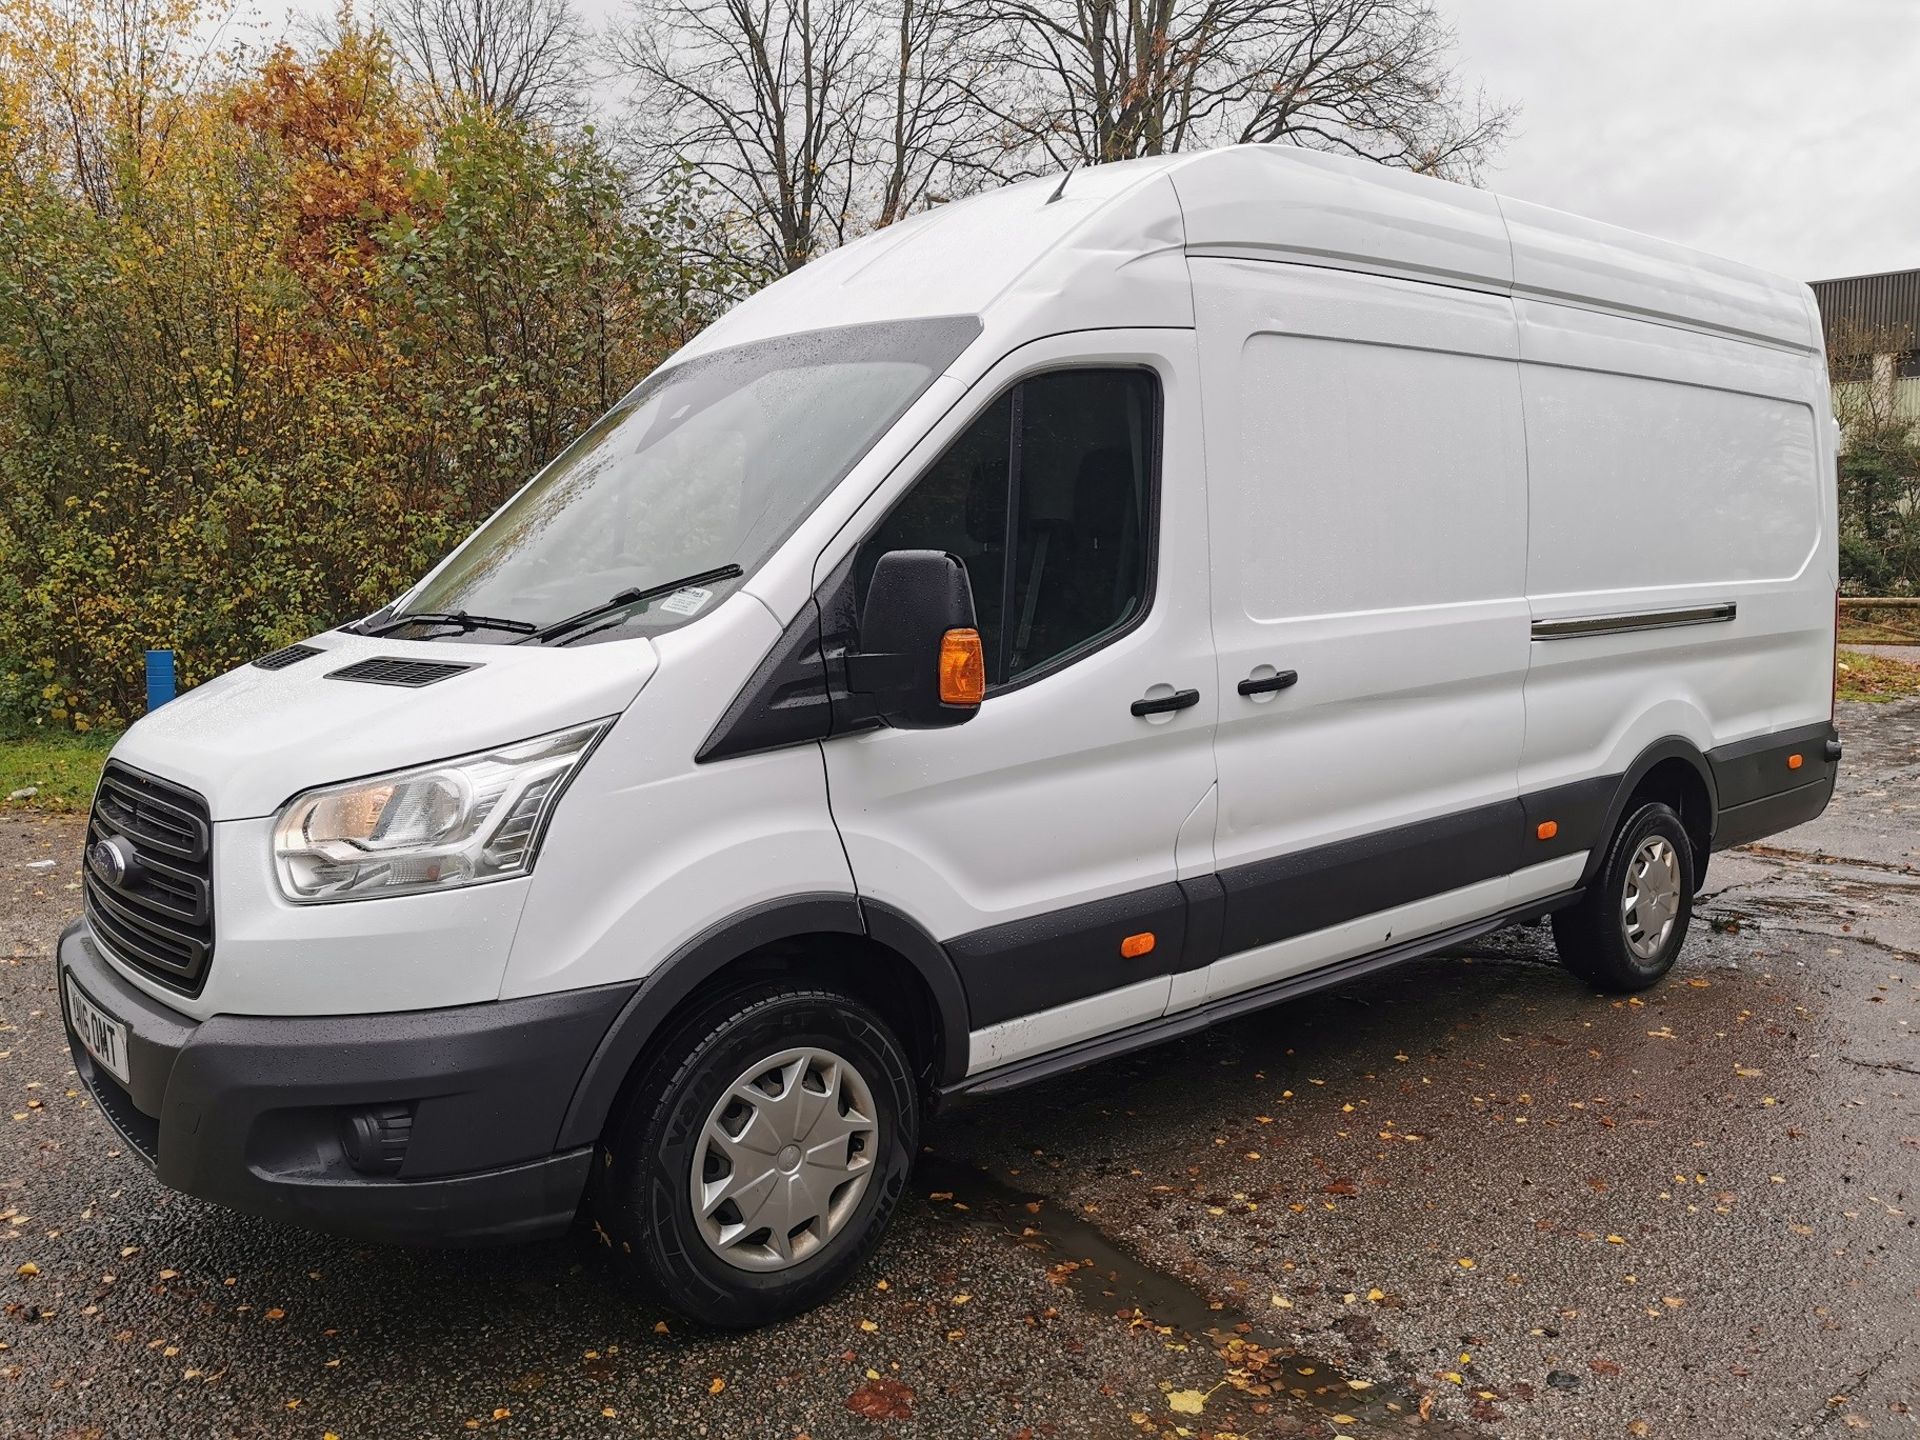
x,y
1051,625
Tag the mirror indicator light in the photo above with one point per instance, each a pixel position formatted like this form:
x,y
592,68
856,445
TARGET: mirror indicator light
x,y
963,668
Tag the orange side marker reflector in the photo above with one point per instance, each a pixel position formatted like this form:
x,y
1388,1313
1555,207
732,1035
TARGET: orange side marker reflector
x,y
1547,829
1794,762
963,668
1134,946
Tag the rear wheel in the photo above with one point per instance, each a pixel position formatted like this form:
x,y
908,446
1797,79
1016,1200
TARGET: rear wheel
x,y
1627,929
755,1160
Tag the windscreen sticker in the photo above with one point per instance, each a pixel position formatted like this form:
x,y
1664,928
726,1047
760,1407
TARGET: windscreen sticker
x,y
688,601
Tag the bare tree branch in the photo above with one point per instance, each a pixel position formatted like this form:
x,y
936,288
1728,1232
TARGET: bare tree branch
x,y
1084,81
523,59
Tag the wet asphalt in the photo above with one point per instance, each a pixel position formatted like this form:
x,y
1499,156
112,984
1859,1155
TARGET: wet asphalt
x,y
1468,1198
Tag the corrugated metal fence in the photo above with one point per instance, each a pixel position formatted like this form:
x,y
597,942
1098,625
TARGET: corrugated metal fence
x,y
1883,308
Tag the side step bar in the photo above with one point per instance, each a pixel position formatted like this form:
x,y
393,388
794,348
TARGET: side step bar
x,y
1205,1016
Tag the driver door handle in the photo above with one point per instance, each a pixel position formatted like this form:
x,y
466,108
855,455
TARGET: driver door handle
x,y
1269,684
1161,705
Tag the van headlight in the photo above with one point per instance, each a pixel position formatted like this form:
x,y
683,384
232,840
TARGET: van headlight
x,y
458,822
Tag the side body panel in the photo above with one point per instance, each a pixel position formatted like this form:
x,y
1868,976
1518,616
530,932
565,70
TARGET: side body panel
x,y
1032,838
649,849
1367,492
1675,476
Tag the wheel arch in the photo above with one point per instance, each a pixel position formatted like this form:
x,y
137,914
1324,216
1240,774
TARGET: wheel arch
x,y
1675,769
821,936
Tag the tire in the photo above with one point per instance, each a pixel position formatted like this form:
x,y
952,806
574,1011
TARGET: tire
x,y
837,1112
1648,875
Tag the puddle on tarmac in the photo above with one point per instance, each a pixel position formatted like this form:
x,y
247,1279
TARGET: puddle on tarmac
x,y
1110,1281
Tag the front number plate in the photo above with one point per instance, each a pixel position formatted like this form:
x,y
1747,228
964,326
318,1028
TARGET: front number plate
x,y
104,1037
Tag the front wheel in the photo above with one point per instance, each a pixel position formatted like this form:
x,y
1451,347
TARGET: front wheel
x,y
756,1159
1629,926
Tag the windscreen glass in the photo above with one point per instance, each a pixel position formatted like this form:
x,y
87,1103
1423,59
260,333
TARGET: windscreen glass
x,y
707,465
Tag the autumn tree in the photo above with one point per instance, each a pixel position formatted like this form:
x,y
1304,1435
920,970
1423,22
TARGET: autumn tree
x,y
273,337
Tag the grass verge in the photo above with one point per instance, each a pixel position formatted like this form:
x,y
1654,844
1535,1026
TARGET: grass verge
x,y
58,770
1876,678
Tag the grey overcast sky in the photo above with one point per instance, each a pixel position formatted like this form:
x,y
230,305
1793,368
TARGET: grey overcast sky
x,y
1783,133
1779,132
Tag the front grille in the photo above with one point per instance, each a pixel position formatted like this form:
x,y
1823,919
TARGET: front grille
x,y
392,670
159,918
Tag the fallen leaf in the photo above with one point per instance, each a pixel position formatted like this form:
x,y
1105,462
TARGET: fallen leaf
x,y
716,1386
882,1399
1186,1402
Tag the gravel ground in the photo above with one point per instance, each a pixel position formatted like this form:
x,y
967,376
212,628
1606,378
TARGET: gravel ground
x,y
1467,1198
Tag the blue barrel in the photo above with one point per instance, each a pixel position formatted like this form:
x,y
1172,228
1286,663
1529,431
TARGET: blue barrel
x,y
160,686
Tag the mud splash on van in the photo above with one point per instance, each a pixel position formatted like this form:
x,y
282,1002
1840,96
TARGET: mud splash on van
x,y
1257,1366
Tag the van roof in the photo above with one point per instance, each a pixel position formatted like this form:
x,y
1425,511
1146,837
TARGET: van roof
x,y
1061,244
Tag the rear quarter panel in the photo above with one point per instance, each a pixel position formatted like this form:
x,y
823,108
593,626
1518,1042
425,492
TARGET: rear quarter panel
x,y
1671,468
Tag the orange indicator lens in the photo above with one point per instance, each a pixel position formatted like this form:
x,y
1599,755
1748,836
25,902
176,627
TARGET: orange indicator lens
x,y
1134,946
1547,829
963,668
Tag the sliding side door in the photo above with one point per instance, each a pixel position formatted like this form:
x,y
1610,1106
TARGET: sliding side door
x,y
1368,517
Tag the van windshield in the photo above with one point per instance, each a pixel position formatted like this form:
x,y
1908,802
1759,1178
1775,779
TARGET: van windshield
x,y
705,467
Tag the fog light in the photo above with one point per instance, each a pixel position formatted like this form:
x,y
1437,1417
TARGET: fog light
x,y
375,1138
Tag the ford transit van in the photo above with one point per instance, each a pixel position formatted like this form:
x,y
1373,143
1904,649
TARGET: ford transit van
x,y
1050,625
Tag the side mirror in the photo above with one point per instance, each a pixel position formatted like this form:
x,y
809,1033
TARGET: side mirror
x,y
920,665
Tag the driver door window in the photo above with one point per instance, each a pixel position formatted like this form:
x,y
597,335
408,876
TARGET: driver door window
x,y
1048,499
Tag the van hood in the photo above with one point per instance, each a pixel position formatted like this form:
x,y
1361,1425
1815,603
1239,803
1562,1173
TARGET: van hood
x,y
253,738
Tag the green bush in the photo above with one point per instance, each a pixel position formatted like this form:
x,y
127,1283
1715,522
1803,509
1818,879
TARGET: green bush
x,y
255,380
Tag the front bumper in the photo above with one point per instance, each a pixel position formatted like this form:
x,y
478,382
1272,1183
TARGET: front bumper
x,y
251,1112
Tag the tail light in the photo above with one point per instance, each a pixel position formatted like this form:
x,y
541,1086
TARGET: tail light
x,y
1833,689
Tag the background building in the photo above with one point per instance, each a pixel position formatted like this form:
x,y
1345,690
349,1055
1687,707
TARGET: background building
x,y
1873,347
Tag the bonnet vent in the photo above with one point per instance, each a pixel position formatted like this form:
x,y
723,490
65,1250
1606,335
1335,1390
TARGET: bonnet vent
x,y
281,659
392,670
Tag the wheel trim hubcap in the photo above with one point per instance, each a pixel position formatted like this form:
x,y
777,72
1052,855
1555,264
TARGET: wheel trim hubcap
x,y
1650,901
784,1158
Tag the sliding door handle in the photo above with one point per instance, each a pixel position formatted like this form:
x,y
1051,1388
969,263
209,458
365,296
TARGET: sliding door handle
x,y
1267,684
1166,704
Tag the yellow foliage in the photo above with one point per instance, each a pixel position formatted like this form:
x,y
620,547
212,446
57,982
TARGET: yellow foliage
x,y
271,342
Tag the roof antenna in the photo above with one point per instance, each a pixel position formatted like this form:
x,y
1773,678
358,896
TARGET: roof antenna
x,y
1061,188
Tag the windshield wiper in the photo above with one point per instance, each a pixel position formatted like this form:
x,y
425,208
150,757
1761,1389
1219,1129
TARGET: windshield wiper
x,y
634,597
457,618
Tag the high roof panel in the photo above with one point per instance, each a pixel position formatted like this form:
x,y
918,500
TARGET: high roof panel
x,y
1098,254
1279,202
1564,257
